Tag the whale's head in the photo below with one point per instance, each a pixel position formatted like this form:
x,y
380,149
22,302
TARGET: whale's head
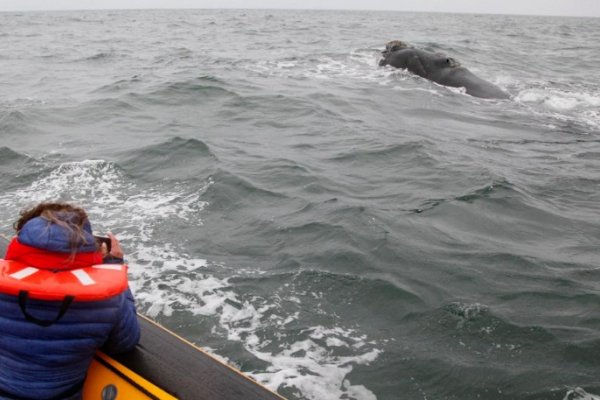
x,y
392,46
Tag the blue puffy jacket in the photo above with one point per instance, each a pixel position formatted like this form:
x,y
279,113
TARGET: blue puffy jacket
x,y
51,362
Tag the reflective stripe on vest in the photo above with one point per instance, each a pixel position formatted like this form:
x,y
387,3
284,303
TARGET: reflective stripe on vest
x,y
96,282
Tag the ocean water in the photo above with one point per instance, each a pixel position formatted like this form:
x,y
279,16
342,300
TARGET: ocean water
x,y
335,229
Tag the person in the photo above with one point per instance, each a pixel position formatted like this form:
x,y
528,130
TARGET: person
x,y
63,296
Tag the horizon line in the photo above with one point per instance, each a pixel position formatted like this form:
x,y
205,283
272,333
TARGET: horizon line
x,y
297,9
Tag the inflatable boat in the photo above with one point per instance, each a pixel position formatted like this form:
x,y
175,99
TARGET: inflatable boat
x,y
165,366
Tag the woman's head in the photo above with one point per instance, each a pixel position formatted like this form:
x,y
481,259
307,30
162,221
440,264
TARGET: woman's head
x,y
72,218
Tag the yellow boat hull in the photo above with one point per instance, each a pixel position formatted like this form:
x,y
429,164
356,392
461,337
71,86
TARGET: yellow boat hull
x,y
111,380
165,366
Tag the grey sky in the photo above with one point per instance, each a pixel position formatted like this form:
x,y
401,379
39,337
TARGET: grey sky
x,y
589,8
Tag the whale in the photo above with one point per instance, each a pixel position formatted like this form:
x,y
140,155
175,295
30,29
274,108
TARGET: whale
x,y
438,68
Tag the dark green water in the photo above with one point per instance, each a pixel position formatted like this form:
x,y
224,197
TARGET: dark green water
x,y
335,229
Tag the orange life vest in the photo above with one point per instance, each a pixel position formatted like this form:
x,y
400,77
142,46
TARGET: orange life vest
x,y
93,283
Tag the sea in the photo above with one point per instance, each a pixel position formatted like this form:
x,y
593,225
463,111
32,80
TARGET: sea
x,y
335,229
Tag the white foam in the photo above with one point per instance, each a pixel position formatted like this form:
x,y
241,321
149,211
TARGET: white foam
x,y
564,105
99,187
561,103
21,102
286,64
357,392
458,90
580,394
356,65
327,377
557,99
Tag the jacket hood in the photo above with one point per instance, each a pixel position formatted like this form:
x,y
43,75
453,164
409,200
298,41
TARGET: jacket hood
x,y
51,260
43,234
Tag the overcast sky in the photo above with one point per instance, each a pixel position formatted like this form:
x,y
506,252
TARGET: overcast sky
x,y
589,8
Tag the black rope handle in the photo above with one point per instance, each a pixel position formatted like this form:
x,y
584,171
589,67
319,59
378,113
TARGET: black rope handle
x,y
24,295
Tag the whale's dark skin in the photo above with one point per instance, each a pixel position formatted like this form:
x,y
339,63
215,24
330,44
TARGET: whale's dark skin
x,y
440,69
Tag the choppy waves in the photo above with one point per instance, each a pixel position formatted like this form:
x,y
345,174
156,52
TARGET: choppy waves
x,y
289,348
335,229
